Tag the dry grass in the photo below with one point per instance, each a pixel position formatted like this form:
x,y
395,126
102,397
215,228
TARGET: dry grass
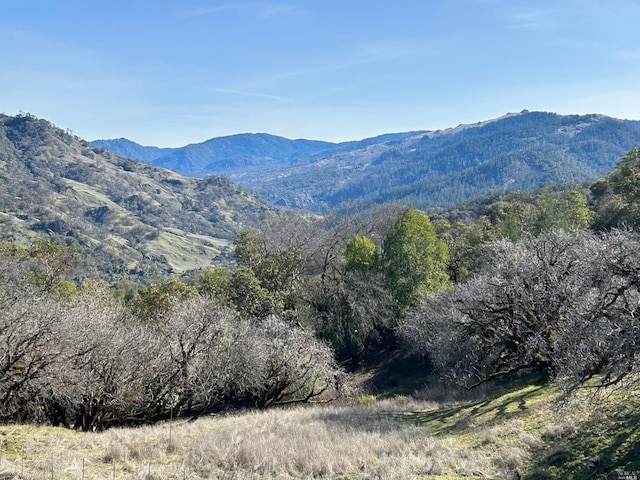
x,y
398,438
330,442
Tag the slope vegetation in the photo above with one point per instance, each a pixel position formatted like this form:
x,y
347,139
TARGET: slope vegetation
x,y
437,169
129,217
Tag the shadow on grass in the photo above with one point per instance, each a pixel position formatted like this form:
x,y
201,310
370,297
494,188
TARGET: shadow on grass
x,y
605,448
503,403
498,404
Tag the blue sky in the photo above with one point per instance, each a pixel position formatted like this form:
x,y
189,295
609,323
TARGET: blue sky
x,y
169,73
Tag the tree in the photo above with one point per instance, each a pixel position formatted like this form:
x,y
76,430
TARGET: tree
x,y
33,283
565,209
601,338
212,356
617,198
463,241
507,318
98,380
347,299
352,310
216,282
250,298
289,365
512,218
154,301
414,259
360,255
562,305
271,260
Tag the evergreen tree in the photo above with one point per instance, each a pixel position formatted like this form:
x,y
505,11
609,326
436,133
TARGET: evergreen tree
x,y
414,259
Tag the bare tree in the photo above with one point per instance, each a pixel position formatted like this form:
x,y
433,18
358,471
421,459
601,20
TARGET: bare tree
x,y
293,366
507,318
602,337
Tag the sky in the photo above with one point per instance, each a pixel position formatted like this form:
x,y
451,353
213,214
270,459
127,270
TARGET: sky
x,y
170,73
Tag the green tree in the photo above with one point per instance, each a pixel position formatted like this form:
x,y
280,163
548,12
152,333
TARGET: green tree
x,y
276,266
565,209
216,283
248,249
155,301
617,198
250,298
511,218
360,255
414,259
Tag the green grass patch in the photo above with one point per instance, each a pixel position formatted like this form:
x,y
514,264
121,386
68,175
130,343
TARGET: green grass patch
x,y
186,252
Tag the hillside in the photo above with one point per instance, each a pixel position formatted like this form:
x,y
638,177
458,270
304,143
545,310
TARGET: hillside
x,y
227,155
132,218
425,169
524,431
444,168
237,156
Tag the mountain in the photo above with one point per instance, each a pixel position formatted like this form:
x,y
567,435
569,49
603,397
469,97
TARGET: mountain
x,y
236,155
225,155
128,217
425,168
442,168
128,149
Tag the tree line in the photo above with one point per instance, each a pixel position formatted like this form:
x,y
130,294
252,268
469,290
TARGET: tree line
x,y
544,281
76,357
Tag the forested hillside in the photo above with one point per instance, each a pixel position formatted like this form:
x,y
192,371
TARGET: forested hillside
x,y
125,217
440,169
423,169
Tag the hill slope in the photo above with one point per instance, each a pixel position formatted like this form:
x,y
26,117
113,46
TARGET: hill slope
x,y
424,169
225,155
131,217
442,168
521,432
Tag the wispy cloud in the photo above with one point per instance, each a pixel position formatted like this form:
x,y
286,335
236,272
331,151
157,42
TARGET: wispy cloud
x,y
259,11
366,54
269,11
533,19
253,94
204,12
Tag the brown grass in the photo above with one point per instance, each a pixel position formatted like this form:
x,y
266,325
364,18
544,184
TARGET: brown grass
x,y
400,438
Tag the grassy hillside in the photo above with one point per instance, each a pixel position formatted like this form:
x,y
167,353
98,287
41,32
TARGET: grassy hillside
x,y
129,217
525,430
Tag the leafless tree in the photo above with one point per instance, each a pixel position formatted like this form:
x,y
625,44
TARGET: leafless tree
x,y
507,318
602,338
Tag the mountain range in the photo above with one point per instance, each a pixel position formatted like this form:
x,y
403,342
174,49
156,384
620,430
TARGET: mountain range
x,y
422,168
129,218
134,219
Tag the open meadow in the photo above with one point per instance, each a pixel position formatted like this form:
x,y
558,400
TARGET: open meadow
x,y
527,430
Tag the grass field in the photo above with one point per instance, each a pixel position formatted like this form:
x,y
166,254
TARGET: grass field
x,y
524,431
